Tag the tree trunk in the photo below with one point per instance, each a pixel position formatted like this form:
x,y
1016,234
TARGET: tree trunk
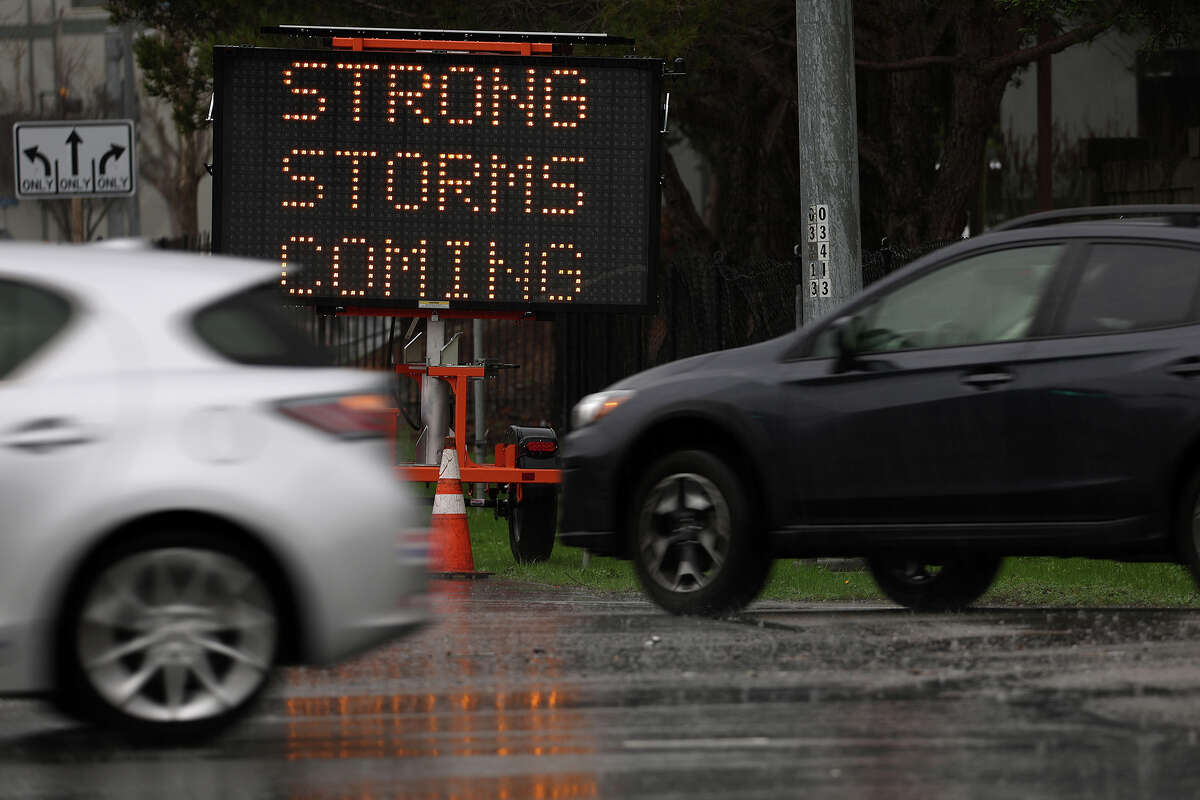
x,y
976,100
682,228
173,163
897,111
930,182
976,92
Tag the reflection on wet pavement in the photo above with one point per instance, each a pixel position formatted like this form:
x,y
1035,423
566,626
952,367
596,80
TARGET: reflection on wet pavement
x,y
428,726
534,692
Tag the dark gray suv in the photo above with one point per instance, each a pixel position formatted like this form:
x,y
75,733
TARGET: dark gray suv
x,y
1031,391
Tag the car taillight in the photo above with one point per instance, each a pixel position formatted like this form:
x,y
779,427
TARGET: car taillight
x,y
353,416
412,547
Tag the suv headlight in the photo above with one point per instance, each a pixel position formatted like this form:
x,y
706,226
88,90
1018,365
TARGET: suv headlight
x,y
595,406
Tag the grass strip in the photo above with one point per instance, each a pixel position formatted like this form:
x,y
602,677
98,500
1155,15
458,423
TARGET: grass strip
x,y
1058,582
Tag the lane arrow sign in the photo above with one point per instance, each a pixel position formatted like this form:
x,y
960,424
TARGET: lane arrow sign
x,y
114,151
33,155
74,140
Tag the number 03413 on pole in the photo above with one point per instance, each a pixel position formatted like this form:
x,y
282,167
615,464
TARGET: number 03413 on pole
x,y
817,245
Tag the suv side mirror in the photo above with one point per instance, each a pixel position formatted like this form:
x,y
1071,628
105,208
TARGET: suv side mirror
x,y
844,330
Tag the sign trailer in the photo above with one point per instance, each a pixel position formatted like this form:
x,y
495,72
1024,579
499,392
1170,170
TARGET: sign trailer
x,y
446,174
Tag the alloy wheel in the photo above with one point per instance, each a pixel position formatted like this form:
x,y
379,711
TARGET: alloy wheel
x,y
684,532
179,634
917,572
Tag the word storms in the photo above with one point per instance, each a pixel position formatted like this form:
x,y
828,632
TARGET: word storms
x,y
410,181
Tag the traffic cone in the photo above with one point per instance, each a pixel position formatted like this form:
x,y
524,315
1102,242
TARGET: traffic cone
x,y
451,539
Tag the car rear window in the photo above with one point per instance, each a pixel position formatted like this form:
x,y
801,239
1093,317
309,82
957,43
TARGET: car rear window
x,y
29,317
252,328
1126,287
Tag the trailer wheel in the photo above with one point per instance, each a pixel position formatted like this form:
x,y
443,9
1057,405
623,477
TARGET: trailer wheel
x,y
531,524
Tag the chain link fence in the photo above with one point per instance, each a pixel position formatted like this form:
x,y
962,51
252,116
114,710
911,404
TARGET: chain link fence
x,y
889,258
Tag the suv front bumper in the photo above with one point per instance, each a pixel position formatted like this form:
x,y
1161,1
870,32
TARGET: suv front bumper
x,y
589,517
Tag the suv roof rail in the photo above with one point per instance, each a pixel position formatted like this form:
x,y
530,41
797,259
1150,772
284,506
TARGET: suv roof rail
x,y
1182,215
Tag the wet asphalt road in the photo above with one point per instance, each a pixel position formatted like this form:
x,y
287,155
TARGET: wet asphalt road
x,y
549,693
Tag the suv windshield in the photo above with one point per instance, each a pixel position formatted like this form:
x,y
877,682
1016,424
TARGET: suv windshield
x,y
250,327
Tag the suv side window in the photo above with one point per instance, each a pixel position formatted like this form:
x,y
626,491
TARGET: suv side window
x,y
1127,287
29,317
991,297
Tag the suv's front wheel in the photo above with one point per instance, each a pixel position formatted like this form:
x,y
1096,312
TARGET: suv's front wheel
x,y
694,540
947,583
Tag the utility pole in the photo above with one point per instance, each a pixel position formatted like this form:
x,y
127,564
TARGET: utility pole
x,y
123,216
480,409
830,248
118,225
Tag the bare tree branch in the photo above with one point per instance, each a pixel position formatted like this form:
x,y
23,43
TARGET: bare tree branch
x,y
910,64
1011,61
765,36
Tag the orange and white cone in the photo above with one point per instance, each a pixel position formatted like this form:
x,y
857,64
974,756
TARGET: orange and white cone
x,y
451,539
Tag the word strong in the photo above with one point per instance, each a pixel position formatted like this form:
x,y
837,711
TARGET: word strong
x,y
396,179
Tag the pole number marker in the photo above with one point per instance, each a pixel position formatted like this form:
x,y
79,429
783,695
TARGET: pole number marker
x,y
820,283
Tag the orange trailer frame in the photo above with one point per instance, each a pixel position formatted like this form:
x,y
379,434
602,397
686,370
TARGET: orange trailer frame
x,y
504,469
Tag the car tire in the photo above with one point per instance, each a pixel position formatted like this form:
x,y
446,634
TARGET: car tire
x,y
531,524
169,638
1187,526
694,538
949,583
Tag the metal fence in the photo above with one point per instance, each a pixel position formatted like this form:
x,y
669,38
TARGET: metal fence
x,y
521,392
703,304
889,258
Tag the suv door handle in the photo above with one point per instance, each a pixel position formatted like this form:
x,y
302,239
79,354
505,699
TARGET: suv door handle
x,y
45,435
1187,368
986,380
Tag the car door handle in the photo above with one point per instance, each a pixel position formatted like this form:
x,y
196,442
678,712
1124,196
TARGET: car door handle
x,y
984,380
1187,368
45,435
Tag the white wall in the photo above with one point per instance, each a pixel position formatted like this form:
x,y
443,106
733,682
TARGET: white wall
x,y
27,44
1094,91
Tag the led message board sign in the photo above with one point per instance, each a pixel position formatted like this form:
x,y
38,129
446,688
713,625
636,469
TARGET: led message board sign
x,y
441,180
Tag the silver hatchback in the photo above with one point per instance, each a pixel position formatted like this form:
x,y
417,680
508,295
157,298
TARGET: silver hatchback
x,y
187,495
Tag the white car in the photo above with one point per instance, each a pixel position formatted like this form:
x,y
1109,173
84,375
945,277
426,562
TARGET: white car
x,y
187,497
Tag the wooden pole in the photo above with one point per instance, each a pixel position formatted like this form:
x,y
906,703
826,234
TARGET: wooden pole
x,y
76,219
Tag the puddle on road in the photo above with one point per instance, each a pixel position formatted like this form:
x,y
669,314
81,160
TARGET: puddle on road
x,y
845,703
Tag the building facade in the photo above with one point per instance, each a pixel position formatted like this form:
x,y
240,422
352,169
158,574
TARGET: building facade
x,y
62,60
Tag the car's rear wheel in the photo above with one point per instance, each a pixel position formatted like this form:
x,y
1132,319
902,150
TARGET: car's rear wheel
x,y
531,524
1187,531
942,583
695,543
170,637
